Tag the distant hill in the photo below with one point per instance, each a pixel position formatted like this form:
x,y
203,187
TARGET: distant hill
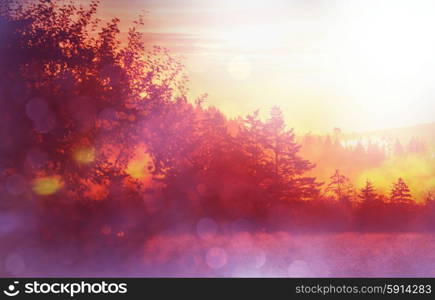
x,y
425,132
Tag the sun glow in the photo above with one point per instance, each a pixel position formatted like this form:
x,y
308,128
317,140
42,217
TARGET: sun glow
x,y
140,166
84,155
47,185
383,59
255,38
359,65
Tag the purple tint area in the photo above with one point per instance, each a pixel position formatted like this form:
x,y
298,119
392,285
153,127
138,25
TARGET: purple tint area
x,y
241,254
37,109
108,167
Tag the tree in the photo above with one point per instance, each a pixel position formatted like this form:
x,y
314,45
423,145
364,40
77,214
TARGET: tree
x,y
430,197
398,148
341,187
400,192
416,146
251,139
81,91
367,193
285,178
78,102
375,154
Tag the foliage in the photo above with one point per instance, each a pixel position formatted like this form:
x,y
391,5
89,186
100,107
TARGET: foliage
x,y
86,108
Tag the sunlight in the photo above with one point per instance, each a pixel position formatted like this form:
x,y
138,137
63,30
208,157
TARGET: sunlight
x,y
370,61
139,166
253,38
47,185
230,139
239,67
84,155
384,57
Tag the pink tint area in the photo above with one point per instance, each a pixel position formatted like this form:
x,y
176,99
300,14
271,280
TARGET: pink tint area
x,y
226,254
110,168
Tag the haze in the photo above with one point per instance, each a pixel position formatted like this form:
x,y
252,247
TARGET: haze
x,y
356,65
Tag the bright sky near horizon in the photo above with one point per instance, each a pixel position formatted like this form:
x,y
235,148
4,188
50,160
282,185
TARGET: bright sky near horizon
x,y
354,64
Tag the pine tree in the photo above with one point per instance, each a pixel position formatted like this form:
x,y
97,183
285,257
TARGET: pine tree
x,y
400,192
367,193
251,140
340,186
359,150
288,167
430,197
416,146
275,159
375,153
398,148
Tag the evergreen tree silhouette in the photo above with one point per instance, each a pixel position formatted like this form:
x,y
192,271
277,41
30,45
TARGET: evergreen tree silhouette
x,y
284,161
398,148
367,193
341,187
400,192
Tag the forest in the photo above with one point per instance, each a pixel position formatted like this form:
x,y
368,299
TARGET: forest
x,y
100,142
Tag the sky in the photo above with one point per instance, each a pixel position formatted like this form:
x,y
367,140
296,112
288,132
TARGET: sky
x,y
355,65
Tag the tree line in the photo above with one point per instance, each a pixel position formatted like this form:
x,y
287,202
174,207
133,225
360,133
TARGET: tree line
x,y
78,105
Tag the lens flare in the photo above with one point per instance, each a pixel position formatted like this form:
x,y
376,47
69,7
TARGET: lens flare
x,y
84,155
139,166
47,185
216,258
